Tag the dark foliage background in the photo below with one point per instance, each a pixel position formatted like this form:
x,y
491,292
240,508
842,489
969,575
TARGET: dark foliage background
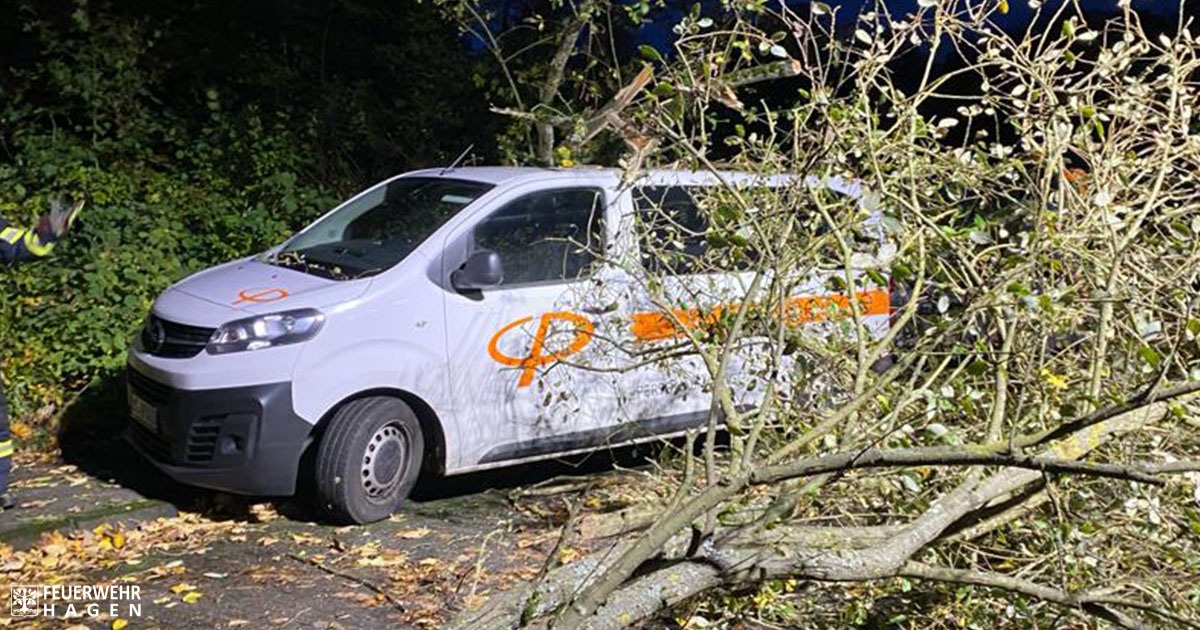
x,y
201,131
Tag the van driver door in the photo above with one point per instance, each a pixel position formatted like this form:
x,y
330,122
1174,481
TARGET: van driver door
x,y
519,351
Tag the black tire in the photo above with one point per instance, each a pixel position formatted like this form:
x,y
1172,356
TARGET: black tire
x,y
369,458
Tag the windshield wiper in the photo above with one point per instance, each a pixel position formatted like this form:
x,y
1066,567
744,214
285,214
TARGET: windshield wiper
x,y
323,268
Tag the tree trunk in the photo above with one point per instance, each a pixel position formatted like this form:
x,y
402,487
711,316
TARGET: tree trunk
x,y
548,93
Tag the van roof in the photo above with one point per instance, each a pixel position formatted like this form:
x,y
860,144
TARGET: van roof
x,y
518,174
489,174
497,175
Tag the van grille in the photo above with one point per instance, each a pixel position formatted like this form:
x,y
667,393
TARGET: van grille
x,y
155,445
172,340
149,390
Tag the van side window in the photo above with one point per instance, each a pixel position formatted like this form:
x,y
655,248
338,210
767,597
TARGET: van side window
x,y
671,229
546,236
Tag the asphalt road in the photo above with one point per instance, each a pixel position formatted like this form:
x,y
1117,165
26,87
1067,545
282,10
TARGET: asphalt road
x,y
207,560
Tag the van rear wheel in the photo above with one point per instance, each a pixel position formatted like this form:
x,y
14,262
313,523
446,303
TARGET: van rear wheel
x,y
368,460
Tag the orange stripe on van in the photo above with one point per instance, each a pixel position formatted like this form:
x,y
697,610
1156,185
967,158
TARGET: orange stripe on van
x,y
656,325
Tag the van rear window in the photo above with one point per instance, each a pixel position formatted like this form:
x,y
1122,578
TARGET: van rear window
x,y
671,230
676,236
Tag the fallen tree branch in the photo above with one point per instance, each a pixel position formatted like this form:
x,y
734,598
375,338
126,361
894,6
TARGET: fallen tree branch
x,y
623,521
1106,413
937,519
1181,466
551,489
609,114
1098,605
748,555
648,594
552,559
1009,510
397,604
761,73
945,456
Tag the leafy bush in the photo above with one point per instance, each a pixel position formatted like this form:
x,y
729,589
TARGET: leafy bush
x,y
169,196
202,131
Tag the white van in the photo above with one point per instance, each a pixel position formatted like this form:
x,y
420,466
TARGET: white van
x,y
442,319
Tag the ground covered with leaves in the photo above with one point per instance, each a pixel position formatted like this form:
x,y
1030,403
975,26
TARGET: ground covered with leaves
x,y
219,562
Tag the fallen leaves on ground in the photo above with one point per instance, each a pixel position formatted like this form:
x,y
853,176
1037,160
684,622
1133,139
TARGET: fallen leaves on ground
x,y
20,430
430,567
412,534
305,538
372,555
75,557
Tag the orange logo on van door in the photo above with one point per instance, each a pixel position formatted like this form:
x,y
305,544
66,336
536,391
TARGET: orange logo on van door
x,y
538,353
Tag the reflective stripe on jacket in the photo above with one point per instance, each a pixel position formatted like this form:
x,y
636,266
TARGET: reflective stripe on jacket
x,y
20,245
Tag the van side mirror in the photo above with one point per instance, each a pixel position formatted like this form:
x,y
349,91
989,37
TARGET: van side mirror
x,y
481,271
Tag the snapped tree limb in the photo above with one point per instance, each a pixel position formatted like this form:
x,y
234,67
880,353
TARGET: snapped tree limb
x,y
749,554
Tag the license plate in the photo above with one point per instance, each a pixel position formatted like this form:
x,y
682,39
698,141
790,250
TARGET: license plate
x,y
143,412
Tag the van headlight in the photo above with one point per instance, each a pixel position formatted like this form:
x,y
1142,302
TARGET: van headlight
x,y
266,331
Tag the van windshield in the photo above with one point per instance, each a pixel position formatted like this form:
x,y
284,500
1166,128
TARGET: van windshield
x,y
378,229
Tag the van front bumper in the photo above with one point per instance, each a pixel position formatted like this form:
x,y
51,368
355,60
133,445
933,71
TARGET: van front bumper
x,y
245,440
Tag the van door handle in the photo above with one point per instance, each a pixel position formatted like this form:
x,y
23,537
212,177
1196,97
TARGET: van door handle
x,y
600,310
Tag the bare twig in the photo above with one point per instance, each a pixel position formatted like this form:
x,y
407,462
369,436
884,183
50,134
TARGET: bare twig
x,y
1101,606
353,578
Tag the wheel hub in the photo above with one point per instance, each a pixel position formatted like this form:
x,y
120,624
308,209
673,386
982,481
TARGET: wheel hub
x,y
386,453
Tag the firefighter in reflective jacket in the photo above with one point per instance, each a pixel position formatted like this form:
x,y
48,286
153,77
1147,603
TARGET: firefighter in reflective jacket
x,y
20,245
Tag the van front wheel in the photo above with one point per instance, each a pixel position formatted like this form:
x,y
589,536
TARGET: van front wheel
x,y
368,460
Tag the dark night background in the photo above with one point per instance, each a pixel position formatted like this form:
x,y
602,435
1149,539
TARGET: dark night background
x,y
379,86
